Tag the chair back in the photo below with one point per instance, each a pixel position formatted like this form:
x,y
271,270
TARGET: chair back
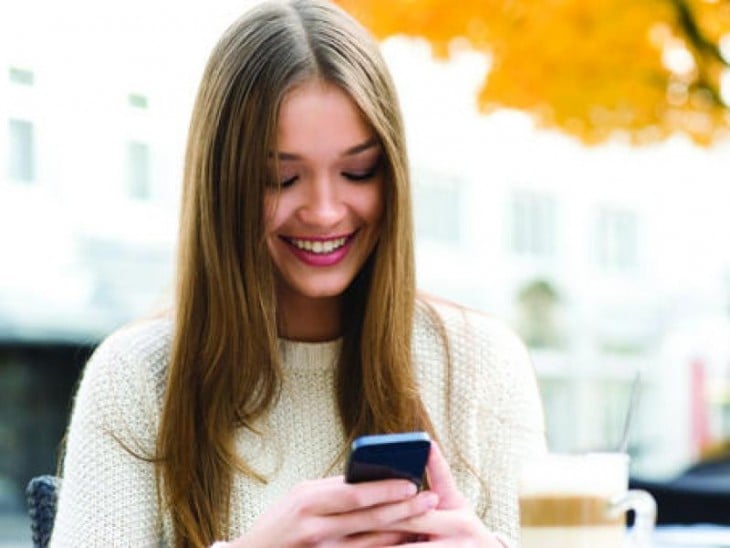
x,y
42,496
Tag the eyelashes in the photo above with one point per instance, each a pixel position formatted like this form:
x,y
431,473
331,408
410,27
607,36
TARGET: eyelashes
x,y
363,175
288,182
354,176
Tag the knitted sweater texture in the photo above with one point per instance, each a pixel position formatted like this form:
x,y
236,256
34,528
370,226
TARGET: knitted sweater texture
x,y
109,496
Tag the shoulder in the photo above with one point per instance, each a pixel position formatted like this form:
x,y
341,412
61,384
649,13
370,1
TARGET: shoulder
x,y
469,329
480,353
146,341
132,361
484,360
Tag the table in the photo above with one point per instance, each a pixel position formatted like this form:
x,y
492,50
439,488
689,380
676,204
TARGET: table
x,y
692,536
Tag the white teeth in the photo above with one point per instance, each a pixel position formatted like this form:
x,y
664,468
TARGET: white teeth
x,y
319,246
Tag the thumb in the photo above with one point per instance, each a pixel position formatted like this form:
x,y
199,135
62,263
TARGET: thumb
x,y
442,481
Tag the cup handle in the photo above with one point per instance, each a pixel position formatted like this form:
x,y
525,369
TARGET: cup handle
x,y
644,507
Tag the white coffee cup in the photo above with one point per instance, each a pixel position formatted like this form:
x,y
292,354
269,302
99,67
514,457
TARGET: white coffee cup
x,y
580,501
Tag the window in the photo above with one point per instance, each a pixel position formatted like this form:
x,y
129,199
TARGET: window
x,y
437,208
617,235
136,100
21,76
532,224
21,151
538,302
138,170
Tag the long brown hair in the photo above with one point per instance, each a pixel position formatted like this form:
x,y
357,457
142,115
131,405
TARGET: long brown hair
x,y
225,369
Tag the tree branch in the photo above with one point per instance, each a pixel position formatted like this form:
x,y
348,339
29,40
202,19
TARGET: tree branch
x,y
702,44
704,48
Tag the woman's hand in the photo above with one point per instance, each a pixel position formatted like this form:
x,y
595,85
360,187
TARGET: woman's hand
x,y
330,512
453,522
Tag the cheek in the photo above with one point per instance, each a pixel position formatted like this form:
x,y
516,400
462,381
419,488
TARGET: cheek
x,y
371,204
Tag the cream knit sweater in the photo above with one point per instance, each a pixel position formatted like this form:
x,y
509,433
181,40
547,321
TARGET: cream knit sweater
x,y
108,497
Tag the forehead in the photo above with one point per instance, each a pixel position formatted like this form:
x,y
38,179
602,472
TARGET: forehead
x,y
319,116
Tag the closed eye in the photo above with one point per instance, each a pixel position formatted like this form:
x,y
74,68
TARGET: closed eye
x,y
288,182
362,175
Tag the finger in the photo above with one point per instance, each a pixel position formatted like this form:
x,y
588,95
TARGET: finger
x,y
448,543
367,540
441,480
380,518
419,544
334,496
440,523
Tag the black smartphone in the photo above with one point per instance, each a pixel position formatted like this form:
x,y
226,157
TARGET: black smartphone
x,y
389,456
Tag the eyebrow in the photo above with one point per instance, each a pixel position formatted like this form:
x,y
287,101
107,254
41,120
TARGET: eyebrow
x,y
357,149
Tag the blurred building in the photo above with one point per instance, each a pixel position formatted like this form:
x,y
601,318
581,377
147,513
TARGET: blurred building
x,y
89,184
87,208
603,278
608,261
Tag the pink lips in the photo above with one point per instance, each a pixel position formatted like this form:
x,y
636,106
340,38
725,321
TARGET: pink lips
x,y
321,259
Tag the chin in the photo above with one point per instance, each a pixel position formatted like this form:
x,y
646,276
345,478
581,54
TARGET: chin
x,y
324,293
323,289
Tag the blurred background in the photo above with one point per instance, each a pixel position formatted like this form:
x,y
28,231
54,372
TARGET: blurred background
x,y
571,175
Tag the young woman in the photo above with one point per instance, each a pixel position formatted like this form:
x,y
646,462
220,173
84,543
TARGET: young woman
x,y
296,327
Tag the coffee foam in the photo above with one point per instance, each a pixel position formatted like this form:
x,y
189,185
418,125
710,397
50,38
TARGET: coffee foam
x,y
603,474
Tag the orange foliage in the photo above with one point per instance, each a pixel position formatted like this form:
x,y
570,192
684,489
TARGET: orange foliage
x,y
647,68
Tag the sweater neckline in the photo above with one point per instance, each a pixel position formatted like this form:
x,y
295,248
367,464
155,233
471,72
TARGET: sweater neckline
x,y
298,355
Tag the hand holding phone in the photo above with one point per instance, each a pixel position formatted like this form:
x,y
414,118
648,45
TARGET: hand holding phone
x,y
389,456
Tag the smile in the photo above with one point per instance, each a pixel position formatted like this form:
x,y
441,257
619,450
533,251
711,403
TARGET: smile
x,y
319,247
320,252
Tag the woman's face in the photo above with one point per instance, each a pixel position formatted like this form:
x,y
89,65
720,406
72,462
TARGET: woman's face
x,y
324,223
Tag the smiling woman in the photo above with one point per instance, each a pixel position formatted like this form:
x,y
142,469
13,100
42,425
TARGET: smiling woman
x,y
296,327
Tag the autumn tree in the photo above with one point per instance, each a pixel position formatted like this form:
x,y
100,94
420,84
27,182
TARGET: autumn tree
x,y
646,68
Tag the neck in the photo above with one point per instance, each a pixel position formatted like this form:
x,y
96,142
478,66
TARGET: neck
x,y
309,319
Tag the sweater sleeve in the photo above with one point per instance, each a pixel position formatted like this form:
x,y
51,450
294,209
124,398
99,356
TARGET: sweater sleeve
x,y
516,415
494,417
108,496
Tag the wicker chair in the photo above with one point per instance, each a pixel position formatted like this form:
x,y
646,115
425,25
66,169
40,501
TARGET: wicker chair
x,y
42,496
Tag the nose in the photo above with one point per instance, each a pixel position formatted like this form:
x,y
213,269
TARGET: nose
x,y
322,205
